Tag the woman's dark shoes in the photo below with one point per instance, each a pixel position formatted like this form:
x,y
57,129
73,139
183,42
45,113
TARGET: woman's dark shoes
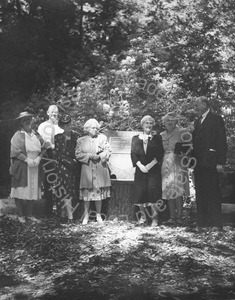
x,y
179,222
70,221
171,222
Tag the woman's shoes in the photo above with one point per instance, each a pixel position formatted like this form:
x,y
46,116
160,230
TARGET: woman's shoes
x,y
142,221
85,220
99,219
70,221
154,223
33,219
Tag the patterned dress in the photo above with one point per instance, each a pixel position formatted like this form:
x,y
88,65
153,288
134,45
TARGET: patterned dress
x,y
175,182
95,176
67,169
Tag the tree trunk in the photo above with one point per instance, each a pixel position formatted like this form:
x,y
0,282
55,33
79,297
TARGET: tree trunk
x,y
81,25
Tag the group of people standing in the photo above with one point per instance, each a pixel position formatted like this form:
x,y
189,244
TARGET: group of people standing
x,y
162,163
77,167
65,161
161,171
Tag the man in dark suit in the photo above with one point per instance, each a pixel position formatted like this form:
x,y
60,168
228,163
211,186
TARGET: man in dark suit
x,y
209,148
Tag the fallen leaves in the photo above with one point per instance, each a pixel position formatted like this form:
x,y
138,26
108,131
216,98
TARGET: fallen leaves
x,y
53,260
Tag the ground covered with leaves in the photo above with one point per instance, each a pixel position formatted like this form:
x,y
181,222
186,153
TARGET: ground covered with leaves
x,y
114,261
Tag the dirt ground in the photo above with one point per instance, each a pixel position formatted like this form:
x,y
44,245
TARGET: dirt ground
x,y
114,261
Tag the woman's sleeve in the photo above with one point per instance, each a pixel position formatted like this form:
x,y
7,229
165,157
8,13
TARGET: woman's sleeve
x,y
134,155
160,149
16,147
44,144
106,153
79,154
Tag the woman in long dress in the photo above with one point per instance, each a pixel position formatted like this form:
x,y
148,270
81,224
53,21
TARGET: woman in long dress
x,y
93,151
26,171
67,167
146,155
175,182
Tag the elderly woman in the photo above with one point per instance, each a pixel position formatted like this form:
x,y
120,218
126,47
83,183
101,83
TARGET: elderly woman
x,y
93,152
146,156
67,167
175,183
26,152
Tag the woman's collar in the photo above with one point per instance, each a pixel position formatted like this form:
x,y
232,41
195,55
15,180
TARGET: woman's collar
x,y
23,131
144,136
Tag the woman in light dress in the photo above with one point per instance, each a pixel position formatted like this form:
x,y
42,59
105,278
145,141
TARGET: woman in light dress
x,y
93,151
175,182
27,149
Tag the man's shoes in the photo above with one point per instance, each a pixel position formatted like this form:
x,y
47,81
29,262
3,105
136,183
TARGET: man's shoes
x,y
201,229
21,219
216,229
171,222
179,222
33,219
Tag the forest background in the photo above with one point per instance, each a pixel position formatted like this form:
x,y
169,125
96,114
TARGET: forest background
x,y
115,60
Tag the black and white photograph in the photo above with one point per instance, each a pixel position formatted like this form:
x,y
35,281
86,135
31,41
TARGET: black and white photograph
x,y
117,150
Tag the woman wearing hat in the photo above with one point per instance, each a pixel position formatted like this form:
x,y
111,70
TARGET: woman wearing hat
x,y
93,151
27,149
146,155
175,183
67,168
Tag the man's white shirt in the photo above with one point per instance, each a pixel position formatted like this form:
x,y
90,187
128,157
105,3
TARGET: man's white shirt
x,y
48,130
204,115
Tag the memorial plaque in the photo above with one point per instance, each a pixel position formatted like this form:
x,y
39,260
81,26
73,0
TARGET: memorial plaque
x,y
120,144
120,160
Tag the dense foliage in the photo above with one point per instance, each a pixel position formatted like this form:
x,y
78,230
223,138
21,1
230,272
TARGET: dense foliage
x,y
116,60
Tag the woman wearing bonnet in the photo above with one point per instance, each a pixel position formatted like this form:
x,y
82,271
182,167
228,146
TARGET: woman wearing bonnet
x,y
146,155
175,182
27,149
93,151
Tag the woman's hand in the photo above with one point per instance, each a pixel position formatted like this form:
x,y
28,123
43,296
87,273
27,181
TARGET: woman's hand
x,y
37,161
151,164
29,162
94,158
142,168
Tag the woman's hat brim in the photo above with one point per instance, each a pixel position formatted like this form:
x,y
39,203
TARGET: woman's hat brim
x,y
24,114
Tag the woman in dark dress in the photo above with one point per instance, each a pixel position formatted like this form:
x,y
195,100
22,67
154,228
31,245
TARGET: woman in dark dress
x,y
67,168
146,154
